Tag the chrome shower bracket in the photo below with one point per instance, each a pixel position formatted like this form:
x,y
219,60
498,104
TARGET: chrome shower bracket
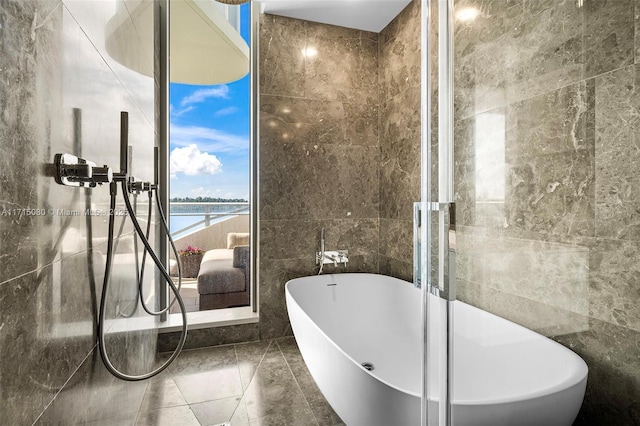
x,y
74,171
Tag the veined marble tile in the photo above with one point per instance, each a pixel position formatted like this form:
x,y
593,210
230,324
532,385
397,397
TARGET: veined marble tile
x,y
102,24
400,155
321,409
613,283
569,212
249,356
320,121
617,154
480,83
59,95
524,50
168,416
319,155
300,239
608,35
274,274
396,268
494,19
192,361
561,271
273,396
216,412
282,42
205,337
301,179
161,392
396,239
48,319
344,66
464,170
94,396
554,122
210,384
541,317
399,50
30,93
545,48
612,393
549,158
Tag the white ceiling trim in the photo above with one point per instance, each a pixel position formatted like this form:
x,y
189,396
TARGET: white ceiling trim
x,y
367,15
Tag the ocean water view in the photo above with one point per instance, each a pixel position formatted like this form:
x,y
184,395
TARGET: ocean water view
x,y
187,217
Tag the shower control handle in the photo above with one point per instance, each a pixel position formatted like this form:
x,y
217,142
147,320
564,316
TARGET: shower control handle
x,y
102,174
75,171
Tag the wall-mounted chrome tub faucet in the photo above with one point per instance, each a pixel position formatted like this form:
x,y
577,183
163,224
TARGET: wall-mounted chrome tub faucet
x,y
333,256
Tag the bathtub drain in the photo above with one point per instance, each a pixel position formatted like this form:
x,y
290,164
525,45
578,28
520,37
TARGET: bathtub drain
x,y
367,366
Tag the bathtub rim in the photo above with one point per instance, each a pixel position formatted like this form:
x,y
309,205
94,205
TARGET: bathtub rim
x,y
358,364
577,376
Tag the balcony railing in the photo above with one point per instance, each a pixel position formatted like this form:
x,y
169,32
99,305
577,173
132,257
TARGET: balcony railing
x,y
211,213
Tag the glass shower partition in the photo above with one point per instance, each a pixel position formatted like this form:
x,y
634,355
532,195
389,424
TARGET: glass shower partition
x,y
545,162
434,216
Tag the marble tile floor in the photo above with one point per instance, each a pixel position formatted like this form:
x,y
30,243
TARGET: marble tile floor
x,y
250,384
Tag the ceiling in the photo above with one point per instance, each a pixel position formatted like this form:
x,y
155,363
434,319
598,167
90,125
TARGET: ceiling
x,y
368,15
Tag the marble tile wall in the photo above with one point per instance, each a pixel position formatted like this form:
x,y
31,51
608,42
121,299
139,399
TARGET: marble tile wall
x,y
400,165
319,154
546,106
60,91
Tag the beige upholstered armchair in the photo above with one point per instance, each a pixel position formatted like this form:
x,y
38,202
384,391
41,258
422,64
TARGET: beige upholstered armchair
x,y
223,281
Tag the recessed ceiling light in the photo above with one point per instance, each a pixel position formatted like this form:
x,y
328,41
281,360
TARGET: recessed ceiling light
x,y
309,52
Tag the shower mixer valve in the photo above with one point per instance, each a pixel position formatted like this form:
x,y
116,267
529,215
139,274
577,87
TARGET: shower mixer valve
x,y
74,171
139,186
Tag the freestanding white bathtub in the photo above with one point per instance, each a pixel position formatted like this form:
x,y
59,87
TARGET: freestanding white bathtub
x,y
504,374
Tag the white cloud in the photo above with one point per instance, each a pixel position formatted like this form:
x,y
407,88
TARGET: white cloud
x,y
208,139
191,161
225,111
202,95
177,112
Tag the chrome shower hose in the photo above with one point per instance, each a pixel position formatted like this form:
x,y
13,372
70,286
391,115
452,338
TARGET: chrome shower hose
x,y
107,275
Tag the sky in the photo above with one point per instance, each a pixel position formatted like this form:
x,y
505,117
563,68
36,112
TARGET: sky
x,y
209,136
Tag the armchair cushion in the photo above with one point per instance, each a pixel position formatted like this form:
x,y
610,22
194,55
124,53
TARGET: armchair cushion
x,y
219,276
240,256
237,239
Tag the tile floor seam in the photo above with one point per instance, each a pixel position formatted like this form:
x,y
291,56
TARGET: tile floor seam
x,y
241,384
295,379
196,417
75,371
140,411
181,394
241,401
242,398
135,421
261,360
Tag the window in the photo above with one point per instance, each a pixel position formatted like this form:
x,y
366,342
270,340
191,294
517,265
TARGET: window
x,y
210,152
